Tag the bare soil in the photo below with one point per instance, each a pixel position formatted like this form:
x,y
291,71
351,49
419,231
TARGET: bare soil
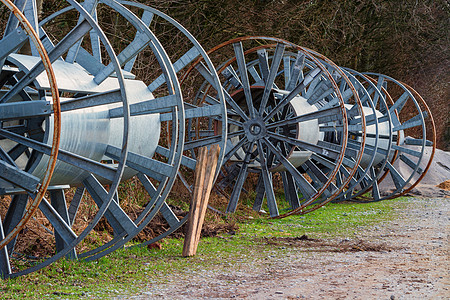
x,y
407,258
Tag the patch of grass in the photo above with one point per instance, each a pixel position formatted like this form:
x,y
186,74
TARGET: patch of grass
x,y
128,270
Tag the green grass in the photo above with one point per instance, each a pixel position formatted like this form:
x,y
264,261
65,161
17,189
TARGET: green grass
x,y
127,270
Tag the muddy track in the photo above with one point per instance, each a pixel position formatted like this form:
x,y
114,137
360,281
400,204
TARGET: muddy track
x,y
407,258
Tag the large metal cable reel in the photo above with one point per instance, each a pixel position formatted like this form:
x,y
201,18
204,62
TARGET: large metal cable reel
x,y
166,108
322,95
197,113
16,117
379,139
355,153
216,111
254,77
100,106
363,138
430,142
71,160
408,116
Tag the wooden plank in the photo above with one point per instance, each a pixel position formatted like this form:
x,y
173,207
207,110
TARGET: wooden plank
x,y
195,203
212,157
204,180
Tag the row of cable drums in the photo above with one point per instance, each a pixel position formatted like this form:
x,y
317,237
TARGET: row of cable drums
x,y
80,121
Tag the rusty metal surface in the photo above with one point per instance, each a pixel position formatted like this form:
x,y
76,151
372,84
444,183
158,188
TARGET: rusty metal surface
x,y
56,123
433,139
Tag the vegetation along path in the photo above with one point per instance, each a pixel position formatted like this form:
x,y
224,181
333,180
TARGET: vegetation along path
x,y
393,249
405,257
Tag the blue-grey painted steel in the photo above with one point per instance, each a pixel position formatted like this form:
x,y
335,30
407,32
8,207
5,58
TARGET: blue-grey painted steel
x,y
61,225
58,201
25,110
18,178
5,266
12,42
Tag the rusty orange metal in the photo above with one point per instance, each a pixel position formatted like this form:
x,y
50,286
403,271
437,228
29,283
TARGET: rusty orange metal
x,y
433,139
33,206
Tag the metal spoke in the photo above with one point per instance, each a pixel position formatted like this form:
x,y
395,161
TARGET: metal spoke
x,y
59,224
234,198
89,6
116,217
305,187
147,18
286,69
328,152
399,103
407,151
240,59
14,214
312,87
17,151
185,160
417,142
231,76
149,166
297,72
232,151
201,68
397,178
95,40
97,99
307,80
263,59
186,59
328,113
413,122
377,95
255,75
65,156
260,192
77,33
12,42
25,110
276,61
18,178
317,171
290,190
375,189
126,55
5,266
58,201
153,106
210,140
169,216
75,204
270,194
198,112
203,142
410,163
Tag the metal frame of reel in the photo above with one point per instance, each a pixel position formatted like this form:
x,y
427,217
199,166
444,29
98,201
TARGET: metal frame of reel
x,y
169,107
57,212
381,124
265,79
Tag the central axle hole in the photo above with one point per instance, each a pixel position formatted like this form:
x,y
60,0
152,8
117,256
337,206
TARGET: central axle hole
x,y
255,129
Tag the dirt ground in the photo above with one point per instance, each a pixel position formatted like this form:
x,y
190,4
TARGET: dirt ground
x,y
407,258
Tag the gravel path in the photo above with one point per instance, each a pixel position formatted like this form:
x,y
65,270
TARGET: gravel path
x,y
412,263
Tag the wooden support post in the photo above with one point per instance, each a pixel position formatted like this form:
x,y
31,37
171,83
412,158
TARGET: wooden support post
x,y
204,180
